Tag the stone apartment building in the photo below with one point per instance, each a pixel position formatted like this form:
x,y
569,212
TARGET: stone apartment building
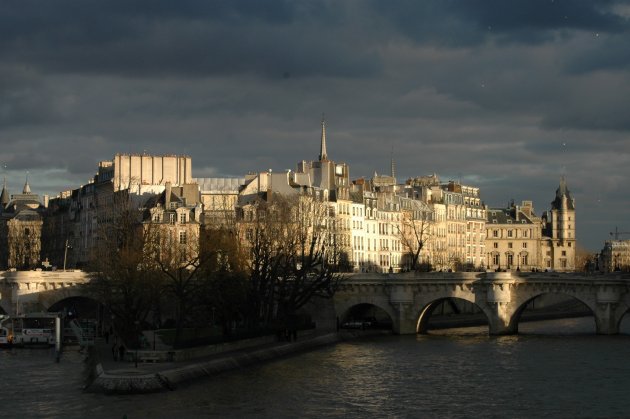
x,y
172,222
615,256
78,217
373,222
514,238
518,239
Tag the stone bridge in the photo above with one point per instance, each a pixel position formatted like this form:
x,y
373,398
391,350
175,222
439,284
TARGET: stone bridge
x,y
29,291
409,298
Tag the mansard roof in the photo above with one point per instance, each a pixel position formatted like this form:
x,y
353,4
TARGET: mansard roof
x,y
28,215
507,216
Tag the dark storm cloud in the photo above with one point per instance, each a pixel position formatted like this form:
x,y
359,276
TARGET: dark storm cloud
x,y
190,38
467,23
505,95
609,54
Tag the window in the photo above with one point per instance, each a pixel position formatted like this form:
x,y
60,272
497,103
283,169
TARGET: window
x,y
171,218
510,259
524,260
524,245
182,217
496,259
509,245
564,253
183,237
510,233
496,245
495,233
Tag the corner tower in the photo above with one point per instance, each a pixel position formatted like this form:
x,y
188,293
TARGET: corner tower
x,y
563,214
560,231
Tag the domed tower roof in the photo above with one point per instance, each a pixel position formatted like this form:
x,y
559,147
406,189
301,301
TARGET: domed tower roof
x,y
27,188
4,196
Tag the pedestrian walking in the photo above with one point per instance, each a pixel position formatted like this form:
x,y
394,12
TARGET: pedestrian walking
x,y
114,352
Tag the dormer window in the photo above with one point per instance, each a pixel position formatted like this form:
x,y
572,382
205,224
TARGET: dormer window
x,y
182,217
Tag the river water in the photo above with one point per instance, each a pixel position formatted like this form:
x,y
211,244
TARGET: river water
x,y
555,368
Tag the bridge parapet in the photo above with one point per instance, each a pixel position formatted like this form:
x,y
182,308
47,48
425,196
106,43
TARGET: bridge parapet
x,y
502,296
32,287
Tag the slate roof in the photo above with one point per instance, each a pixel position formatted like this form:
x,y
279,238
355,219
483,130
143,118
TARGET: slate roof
x,y
506,216
561,192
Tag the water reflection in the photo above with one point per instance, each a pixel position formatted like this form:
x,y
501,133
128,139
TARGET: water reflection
x,y
455,372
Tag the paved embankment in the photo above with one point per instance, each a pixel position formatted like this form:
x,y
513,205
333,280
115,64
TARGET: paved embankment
x,y
130,378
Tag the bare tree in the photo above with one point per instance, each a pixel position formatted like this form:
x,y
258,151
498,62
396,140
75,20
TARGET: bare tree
x,y
291,249
584,260
173,252
121,279
414,230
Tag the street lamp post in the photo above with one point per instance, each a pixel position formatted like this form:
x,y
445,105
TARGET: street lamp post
x,y
65,254
137,323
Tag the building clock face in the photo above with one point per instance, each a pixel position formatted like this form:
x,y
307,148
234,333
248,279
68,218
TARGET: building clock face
x,y
339,170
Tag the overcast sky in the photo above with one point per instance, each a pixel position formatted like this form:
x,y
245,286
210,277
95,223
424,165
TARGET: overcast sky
x,y
504,95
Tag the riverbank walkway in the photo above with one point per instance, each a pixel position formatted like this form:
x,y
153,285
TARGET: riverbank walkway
x,y
129,376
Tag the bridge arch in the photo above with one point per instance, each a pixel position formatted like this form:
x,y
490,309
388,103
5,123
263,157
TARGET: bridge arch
x,y
78,306
427,308
367,311
569,305
622,311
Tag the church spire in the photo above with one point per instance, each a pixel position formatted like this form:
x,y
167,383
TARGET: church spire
x,y
393,165
323,156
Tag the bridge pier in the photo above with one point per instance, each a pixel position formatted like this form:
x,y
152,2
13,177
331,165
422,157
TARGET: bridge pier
x,y
498,298
401,299
500,320
606,310
405,323
606,323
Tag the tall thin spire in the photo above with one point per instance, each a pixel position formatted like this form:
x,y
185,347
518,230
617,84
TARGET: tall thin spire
x,y
393,164
323,156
